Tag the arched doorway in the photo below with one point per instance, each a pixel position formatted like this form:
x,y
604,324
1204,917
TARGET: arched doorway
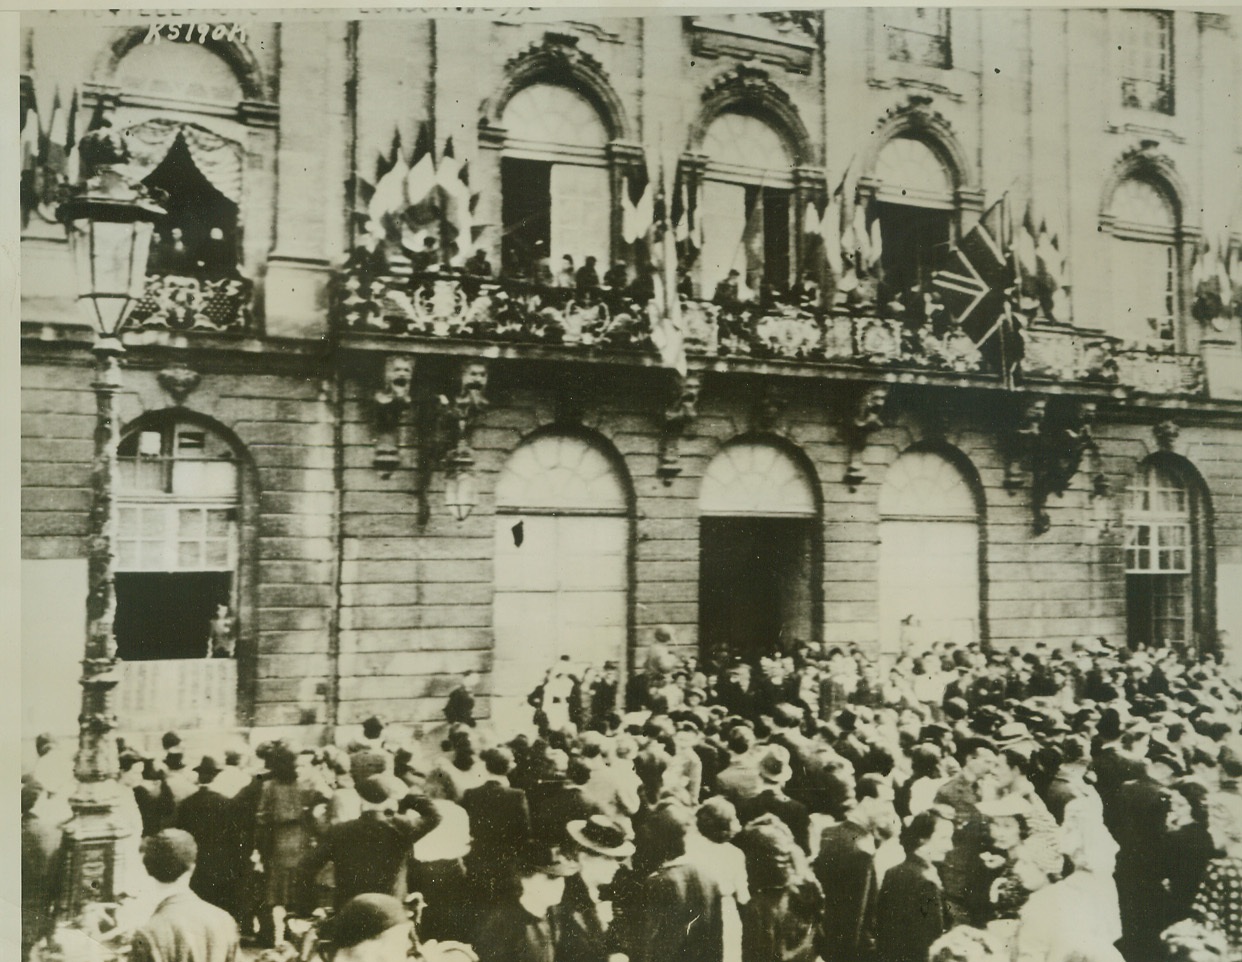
x,y
1168,542
929,554
562,551
182,548
757,553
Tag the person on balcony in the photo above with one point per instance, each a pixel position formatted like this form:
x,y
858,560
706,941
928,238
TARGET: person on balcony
x,y
617,277
478,265
565,277
727,292
428,259
587,277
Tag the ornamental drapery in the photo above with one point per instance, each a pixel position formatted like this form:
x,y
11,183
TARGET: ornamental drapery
x,y
217,158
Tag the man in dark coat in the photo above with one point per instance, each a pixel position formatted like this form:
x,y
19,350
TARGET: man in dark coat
x,y
208,817
911,912
584,918
845,867
774,772
964,875
183,927
499,825
682,921
370,852
40,844
1141,806
523,929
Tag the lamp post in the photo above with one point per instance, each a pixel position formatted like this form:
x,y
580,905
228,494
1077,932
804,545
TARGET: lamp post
x,y
109,222
461,493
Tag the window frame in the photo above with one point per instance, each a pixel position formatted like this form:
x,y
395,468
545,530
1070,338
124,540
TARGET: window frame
x,y
757,181
938,42
555,154
1167,236
1163,497
1134,67
162,499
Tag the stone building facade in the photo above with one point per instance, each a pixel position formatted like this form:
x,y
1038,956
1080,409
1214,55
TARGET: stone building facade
x,y
314,391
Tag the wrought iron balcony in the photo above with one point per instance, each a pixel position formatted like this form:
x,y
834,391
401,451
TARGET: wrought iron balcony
x,y
457,307
186,303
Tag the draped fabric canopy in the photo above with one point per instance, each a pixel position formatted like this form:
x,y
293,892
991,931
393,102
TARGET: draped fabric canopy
x,y
217,158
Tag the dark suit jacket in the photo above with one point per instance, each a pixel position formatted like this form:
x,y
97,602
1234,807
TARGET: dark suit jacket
x,y
210,818
794,814
682,918
579,935
369,853
910,914
511,934
184,928
846,873
499,824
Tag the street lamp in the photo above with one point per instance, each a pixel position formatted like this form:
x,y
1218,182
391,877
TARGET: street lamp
x,y
461,491
109,221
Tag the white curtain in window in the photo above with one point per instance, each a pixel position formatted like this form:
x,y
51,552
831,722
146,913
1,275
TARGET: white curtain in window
x,y
929,554
929,583
1142,280
580,214
724,228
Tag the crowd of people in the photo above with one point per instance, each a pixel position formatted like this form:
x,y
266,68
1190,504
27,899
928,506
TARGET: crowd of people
x,y
1053,805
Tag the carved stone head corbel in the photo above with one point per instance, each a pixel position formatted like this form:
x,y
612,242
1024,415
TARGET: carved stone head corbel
x,y
864,418
391,400
678,417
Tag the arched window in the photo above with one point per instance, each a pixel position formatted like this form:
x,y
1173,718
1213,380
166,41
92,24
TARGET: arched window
x,y
561,565
177,502
757,553
1145,264
914,201
182,149
1166,578
747,213
929,554
555,187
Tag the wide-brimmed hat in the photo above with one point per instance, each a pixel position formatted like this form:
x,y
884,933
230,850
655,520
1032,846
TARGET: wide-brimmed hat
x,y
207,768
774,765
602,835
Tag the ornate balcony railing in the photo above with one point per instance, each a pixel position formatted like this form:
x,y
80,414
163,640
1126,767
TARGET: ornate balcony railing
x,y
452,306
183,303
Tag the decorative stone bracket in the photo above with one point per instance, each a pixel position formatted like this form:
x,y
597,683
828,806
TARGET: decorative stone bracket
x,y
863,418
1166,434
677,419
768,413
178,381
1020,442
391,401
459,413
1066,437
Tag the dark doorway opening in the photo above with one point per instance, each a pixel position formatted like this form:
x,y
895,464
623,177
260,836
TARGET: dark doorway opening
x,y
755,586
915,244
526,214
168,614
